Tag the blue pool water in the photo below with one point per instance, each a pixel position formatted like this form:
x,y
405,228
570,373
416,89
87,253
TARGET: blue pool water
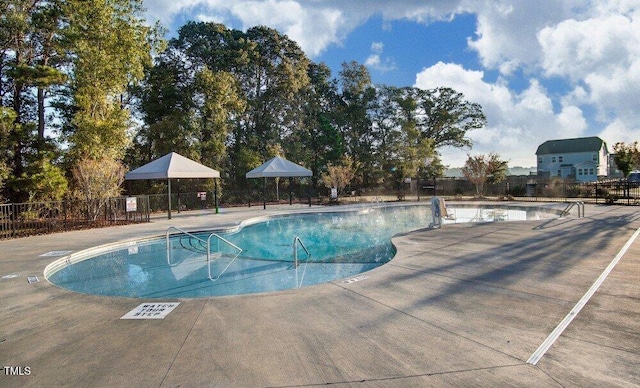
x,y
341,245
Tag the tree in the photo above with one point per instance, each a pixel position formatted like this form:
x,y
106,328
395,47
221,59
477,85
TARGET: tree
x,y
44,181
627,157
218,102
317,141
482,169
166,107
29,36
97,180
7,117
445,117
357,98
403,147
226,96
273,80
109,46
341,175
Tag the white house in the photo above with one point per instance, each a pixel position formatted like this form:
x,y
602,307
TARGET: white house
x,y
584,158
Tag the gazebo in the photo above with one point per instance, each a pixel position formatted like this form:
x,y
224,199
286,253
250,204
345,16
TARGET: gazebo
x,y
278,167
173,166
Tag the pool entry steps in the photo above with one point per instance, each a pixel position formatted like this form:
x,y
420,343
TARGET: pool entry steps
x,y
193,238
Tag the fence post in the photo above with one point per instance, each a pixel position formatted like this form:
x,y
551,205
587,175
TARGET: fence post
x,y
14,219
64,215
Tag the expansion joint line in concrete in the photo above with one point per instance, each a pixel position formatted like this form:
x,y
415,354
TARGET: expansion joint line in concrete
x,y
542,349
411,376
405,313
186,337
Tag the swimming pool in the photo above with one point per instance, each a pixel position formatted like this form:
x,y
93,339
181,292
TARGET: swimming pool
x,y
340,245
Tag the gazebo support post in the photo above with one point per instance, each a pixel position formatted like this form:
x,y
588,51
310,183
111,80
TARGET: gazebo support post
x,y
290,193
169,196
264,194
215,194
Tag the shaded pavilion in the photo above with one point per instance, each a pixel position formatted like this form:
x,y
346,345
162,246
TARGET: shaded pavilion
x,y
174,166
278,167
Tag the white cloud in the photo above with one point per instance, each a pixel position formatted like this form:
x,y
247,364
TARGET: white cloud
x,y
618,131
375,60
313,28
575,49
600,55
506,30
314,25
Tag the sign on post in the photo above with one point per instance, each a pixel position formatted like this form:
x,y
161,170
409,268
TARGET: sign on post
x,y
132,204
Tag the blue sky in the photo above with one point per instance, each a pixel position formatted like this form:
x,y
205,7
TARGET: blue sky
x,y
541,70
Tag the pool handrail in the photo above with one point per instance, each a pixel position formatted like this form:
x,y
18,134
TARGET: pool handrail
x,y
220,238
297,241
167,234
208,242
578,204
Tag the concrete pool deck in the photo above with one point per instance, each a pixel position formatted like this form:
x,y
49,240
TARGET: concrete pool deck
x,y
465,305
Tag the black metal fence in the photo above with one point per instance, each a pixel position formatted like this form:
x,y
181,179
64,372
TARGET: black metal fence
x,y
26,219
254,194
531,189
33,218
516,188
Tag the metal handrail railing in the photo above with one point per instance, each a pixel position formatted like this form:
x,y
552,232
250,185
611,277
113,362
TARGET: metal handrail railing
x,y
167,234
578,204
208,242
220,238
297,241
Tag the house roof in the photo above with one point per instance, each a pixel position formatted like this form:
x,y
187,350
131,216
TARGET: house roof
x,y
566,146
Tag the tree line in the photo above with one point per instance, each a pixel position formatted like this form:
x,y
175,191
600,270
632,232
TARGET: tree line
x,y
89,90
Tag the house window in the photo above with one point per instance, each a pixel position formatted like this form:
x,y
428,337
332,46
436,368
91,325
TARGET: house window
x,y
560,159
579,171
594,157
540,159
559,173
553,159
591,171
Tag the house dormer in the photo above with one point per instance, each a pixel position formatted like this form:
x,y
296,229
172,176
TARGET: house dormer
x,y
584,159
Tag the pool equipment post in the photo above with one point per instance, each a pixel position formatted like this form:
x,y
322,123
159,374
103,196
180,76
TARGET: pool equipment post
x,y
438,210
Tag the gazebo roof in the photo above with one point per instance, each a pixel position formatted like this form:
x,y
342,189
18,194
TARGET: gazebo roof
x,y
278,167
172,165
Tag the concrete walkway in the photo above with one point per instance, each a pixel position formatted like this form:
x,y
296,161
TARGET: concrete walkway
x,y
465,305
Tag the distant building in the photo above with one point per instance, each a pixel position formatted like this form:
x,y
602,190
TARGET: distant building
x,y
583,159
